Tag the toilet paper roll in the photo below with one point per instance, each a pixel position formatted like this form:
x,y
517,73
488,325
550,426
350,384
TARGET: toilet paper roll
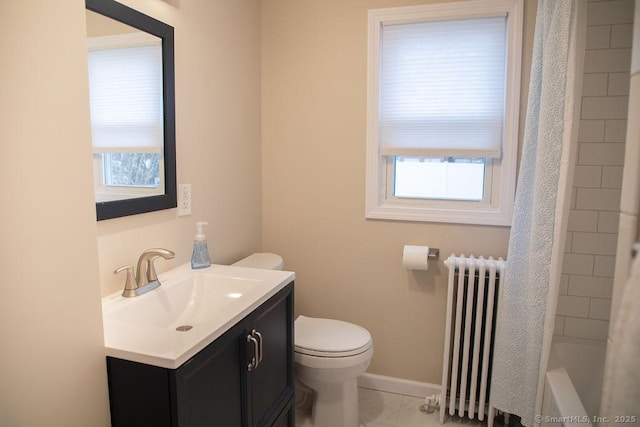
x,y
415,257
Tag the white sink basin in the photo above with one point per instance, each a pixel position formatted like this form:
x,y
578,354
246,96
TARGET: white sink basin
x,y
167,326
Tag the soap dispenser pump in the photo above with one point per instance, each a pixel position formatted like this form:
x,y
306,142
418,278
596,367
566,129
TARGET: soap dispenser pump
x,y
200,257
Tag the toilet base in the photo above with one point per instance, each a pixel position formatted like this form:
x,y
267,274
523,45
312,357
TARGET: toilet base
x,y
335,404
332,375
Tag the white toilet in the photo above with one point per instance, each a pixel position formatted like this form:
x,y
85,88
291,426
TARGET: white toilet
x,y
329,357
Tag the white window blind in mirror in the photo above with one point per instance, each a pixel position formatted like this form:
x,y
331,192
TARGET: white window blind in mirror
x,y
442,88
125,84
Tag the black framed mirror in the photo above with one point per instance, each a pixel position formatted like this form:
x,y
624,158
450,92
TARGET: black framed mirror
x,y
132,96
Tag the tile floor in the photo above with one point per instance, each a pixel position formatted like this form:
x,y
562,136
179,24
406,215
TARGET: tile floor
x,y
381,409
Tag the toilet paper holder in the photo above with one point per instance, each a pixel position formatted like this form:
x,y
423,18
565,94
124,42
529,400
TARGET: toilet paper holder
x,y
418,257
434,253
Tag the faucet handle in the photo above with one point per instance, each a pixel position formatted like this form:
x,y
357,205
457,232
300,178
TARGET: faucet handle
x,y
130,284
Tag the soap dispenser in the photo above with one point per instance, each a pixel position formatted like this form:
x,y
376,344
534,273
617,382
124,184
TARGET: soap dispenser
x,y
200,257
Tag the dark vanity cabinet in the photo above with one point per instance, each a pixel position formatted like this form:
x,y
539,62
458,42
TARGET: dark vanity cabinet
x,y
243,378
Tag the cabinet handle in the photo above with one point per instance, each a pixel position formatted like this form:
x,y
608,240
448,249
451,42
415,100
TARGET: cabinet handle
x,y
259,335
256,352
257,349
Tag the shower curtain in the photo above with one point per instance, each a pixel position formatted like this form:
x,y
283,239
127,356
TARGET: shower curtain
x,y
530,287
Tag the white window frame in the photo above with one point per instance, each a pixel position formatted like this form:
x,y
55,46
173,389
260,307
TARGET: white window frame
x,y
497,206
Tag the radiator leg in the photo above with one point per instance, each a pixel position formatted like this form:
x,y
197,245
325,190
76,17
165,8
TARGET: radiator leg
x,y
491,416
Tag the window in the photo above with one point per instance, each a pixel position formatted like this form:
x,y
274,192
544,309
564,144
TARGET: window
x,y
125,84
443,103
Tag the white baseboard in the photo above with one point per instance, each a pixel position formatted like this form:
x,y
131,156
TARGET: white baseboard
x,y
397,385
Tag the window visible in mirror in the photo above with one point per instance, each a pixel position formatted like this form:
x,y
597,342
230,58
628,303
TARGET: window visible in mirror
x,y
131,169
127,175
132,103
125,87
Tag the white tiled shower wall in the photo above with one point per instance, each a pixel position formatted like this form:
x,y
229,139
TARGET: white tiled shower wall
x,y
587,280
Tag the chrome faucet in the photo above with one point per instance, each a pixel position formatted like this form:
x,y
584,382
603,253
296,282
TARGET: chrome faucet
x,y
145,275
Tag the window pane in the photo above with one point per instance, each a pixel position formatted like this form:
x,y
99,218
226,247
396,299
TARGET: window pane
x,y
451,178
132,169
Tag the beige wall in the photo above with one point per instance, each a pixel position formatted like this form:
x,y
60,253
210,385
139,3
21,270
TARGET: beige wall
x,y
52,367
57,261
314,71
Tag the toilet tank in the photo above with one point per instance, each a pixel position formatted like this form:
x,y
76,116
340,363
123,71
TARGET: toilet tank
x,y
261,260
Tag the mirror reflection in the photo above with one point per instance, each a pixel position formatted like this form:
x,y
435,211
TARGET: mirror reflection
x,y
131,91
125,86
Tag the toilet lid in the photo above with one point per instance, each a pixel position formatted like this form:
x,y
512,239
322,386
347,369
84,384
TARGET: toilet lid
x,y
330,338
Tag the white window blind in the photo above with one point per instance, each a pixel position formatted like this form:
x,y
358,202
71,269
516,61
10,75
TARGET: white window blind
x,y
442,88
125,85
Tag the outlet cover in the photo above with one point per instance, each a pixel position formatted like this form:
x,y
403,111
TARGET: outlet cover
x,y
184,199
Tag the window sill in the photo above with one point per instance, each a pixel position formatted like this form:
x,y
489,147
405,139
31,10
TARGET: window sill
x,y
481,216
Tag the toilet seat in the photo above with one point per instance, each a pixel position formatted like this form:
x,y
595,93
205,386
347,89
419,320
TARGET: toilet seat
x,y
330,338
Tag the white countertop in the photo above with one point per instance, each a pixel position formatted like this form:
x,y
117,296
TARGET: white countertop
x,y
211,300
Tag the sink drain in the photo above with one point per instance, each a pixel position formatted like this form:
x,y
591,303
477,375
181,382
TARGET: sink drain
x,y
184,328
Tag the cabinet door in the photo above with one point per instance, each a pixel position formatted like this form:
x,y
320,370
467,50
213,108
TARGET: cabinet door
x,y
271,384
209,387
138,394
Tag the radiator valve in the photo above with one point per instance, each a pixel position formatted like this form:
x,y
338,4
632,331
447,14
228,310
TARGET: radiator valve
x,y
431,403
